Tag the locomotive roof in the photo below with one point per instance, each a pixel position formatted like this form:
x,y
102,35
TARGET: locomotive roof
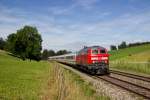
x,y
95,47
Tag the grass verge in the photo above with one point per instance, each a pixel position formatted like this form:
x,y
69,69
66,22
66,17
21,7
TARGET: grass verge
x,y
65,85
132,67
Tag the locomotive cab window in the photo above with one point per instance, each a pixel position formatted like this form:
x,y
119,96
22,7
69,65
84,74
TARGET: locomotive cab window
x,y
95,51
102,51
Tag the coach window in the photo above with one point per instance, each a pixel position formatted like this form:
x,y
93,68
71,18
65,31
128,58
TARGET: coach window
x,y
71,57
67,57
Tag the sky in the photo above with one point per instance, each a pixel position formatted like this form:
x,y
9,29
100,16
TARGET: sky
x,y
72,24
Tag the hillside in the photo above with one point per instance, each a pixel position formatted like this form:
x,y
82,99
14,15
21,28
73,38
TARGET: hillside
x,y
20,79
133,59
25,80
141,53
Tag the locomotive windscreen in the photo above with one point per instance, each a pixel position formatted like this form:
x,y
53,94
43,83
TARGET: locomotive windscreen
x,y
95,51
102,51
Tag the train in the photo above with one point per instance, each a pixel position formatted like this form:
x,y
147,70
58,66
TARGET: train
x,y
92,59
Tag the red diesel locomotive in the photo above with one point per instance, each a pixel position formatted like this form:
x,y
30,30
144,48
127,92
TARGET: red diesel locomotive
x,y
94,59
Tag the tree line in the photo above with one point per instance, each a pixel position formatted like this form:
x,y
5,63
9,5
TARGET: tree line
x,y
26,43
125,45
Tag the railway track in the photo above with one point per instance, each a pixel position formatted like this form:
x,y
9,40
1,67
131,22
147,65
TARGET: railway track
x,y
134,88
139,90
143,78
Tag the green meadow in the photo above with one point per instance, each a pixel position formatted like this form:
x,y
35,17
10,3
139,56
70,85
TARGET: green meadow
x,y
134,59
142,51
21,79
31,80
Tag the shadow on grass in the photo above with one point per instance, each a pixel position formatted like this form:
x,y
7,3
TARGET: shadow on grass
x,y
14,55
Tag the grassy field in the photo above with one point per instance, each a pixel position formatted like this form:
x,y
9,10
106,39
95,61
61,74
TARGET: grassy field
x,y
139,57
131,52
134,59
21,79
25,80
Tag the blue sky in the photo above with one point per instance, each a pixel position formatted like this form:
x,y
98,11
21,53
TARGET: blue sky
x,y
71,24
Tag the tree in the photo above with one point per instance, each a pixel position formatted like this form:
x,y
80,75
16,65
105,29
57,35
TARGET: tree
x,y
10,43
28,43
122,45
113,47
2,43
137,44
45,54
51,53
61,52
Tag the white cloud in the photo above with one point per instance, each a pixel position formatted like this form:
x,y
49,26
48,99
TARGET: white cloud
x,y
128,27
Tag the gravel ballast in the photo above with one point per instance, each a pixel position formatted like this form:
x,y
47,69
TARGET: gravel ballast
x,y
132,80
105,88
